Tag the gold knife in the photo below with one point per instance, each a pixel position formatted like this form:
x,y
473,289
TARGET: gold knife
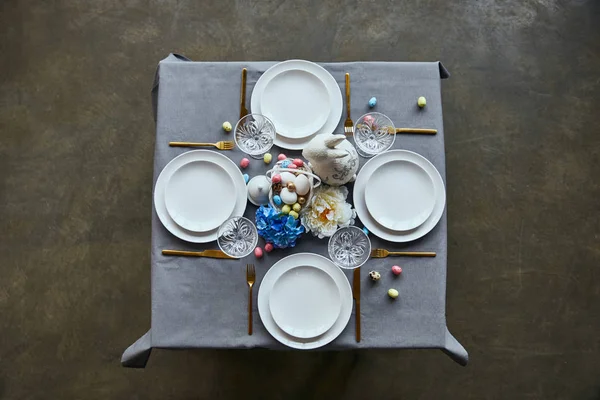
x,y
243,109
356,295
205,253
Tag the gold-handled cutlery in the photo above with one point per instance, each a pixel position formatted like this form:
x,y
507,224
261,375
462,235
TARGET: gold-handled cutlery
x,y
205,253
223,145
417,131
243,109
250,278
356,295
348,124
382,253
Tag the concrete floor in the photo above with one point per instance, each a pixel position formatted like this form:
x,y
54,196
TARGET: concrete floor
x,y
523,153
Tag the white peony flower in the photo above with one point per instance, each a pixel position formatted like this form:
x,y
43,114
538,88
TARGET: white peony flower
x,y
327,211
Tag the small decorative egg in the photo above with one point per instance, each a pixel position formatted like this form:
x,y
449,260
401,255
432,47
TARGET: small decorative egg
x,y
366,231
285,164
281,157
267,158
244,163
298,162
287,196
396,270
297,207
375,276
277,187
302,185
258,252
292,166
287,177
227,126
268,247
393,293
276,178
277,200
422,102
372,102
246,178
301,200
286,209
294,214
291,186
369,119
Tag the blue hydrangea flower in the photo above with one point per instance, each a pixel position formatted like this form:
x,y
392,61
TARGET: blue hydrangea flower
x,y
277,228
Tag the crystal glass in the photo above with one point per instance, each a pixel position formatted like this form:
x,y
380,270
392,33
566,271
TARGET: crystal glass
x,y
254,135
349,247
237,237
374,133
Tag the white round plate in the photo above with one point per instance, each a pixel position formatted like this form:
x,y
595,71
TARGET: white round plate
x,y
361,206
305,301
297,102
199,196
316,261
335,99
238,191
400,195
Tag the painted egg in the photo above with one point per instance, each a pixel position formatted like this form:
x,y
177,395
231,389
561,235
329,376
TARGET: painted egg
x,y
277,200
374,275
393,293
287,196
287,177
267,158
268,247
396,270
297,207
276,178
372,102
294,214
285,164
292,166
298,162
244,163
258,252
281,157
246,177
286,209
302,185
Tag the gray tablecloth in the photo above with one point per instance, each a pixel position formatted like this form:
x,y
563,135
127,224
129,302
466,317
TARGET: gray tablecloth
x,y
202,303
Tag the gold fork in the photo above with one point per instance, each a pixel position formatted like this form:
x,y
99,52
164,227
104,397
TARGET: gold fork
x,y
382,253
223,145
250,277
348,124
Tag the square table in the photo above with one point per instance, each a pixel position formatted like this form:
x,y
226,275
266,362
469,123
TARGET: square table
x,y
202,302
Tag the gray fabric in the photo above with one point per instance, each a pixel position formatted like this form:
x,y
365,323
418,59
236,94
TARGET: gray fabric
x,y
201,303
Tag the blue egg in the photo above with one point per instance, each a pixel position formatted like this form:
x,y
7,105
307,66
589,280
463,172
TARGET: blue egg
x,y
285,163
246,177
366,231
277,200
372,102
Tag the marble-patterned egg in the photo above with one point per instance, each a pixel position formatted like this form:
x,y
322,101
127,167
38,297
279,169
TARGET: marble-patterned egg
x,y
287,196
302,185
287,177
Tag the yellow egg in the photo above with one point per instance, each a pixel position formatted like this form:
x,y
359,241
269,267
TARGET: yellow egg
x,y
297,207
294,214
286,209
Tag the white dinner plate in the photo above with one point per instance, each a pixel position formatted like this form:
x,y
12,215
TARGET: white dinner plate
x,y
400,195
297,102
238,191
199,197
305,301
316,261
335,99
371,224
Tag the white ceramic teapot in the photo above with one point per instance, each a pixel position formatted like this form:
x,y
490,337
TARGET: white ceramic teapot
x,y
333,158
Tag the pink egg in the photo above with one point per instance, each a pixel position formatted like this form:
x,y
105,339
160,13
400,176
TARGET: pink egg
x,y
369,119
244,163
258,252
292,166
281,157
268,247
396,270
298,162
276,178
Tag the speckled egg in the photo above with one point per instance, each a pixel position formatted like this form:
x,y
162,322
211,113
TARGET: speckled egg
x,y
374,275
396,270
277,200
372,102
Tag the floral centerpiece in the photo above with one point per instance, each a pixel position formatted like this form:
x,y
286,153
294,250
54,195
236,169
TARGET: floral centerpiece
x,y
328,211
279,229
